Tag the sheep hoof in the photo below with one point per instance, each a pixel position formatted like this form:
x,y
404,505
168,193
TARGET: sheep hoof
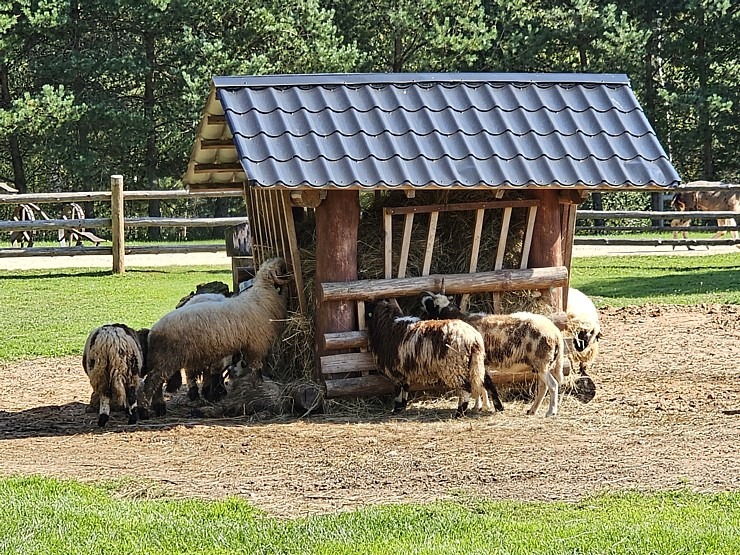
x,y
133,418
160,409
399,407
193,394
460,412
103,420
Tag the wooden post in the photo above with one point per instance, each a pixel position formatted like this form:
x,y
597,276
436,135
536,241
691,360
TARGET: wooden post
x,y
116,214
337,221
546,241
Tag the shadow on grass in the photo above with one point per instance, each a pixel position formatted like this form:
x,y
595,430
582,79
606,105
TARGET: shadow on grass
x,y
681,282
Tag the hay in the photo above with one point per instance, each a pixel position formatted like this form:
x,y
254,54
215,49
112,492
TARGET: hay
x,y
294,355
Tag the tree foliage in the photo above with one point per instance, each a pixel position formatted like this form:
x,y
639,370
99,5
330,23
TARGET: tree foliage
x,y
94,87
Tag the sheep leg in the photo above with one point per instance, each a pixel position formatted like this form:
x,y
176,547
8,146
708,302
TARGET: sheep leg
x,y
104,413
462,402
541,388
174,382
493,393
402,398
552,387
94,405
150,395
131,404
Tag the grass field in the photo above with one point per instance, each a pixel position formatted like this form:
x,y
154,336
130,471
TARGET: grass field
x,y
51,313
49,517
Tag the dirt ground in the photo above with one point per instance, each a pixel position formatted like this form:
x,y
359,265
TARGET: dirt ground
x,y
666,415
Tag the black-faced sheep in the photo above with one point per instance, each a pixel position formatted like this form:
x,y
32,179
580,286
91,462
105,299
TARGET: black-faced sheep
x,y
196,336
514,343
428,353
114,360
583,325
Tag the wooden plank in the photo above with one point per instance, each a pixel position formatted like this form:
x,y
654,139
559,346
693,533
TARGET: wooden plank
x,y
405,244
474,252
388,243
216,119
397,210
345,340
481,282
500,252
374,384
528,234
295,253
219,167
104,196
213,144
117,225
429,248
569,225
347,363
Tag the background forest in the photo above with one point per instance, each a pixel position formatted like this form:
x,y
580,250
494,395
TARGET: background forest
x,y
89,88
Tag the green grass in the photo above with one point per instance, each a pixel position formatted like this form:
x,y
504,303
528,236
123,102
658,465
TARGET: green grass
x,y
45,516
51,312
636,280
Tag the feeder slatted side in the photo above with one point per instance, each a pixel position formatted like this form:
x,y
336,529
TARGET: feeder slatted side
x,y
273,232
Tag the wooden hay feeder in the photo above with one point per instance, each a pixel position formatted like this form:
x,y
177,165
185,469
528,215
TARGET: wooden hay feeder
x,y
317,142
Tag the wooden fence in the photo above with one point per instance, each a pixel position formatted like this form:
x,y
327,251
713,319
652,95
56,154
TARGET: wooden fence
x,y
117,222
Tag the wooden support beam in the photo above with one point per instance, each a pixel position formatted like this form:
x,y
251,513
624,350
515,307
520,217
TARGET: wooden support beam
x,y
216,119
305,199
547,242
221,167
117,225
474,252
481,282
214,144
387,244
396,210
337,222
429,248
405,244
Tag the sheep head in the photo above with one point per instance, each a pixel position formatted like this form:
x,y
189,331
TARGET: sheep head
x,y
276,271
433,303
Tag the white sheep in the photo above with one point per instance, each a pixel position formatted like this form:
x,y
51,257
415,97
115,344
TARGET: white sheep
x,y
428,353
583,325
114,360
212,374
194,336
514,343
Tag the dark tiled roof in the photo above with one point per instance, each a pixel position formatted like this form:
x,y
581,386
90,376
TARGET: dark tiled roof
x,y
442,129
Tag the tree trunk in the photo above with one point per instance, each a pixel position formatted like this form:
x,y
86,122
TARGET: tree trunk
x,y
14,148
150,155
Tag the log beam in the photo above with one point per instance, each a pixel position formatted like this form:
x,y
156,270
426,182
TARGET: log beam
x,y
337,221
547,242
482,282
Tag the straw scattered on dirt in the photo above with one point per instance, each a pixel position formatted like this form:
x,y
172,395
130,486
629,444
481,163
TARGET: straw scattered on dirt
x,y
665,416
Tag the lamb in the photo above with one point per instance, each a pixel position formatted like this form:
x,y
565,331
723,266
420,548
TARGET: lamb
x,y
514,343
583,324
428,353
114,360
194,336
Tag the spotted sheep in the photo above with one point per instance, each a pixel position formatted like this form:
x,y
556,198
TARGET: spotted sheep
x,y
408,351
114,361
514,343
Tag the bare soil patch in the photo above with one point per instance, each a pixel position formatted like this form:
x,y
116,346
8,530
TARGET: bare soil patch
x,y
664,416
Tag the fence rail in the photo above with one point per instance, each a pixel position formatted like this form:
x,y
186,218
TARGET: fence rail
x,y
116,197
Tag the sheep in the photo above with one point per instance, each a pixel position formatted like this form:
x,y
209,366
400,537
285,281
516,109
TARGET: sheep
x,y
583,324
114,360
514,343
428,353
213,374
194,336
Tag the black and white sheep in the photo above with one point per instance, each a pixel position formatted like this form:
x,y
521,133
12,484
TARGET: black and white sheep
x,y
428,353
114,360
196,336
583,325
514,343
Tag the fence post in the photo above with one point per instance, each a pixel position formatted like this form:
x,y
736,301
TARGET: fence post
x,y
116,214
